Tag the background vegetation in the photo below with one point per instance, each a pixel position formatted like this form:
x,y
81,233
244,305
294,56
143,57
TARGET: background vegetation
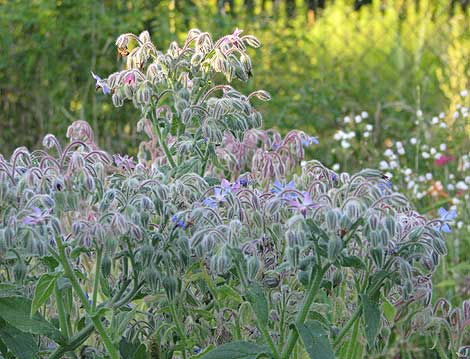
x,y
389,60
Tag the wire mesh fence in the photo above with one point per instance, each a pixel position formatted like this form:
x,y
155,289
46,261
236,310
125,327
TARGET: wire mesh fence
x,y
320,60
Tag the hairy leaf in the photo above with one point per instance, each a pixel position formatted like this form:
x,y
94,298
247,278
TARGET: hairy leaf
x,y
237,350
315,340
43,290
16,311
371,319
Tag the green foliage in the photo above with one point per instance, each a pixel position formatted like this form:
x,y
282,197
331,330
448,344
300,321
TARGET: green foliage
x,y
237,350
315,340
388,61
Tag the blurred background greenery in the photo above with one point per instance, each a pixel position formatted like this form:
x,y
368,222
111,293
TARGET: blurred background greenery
x,y
321,60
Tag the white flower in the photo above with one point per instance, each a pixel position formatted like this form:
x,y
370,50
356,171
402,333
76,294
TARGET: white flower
x,y
383,165
429,176
338,135
411,184
388,153
459,224
347,119
369,127
413,141
350,135
345,144
393,164
464,93
303,163
366,134
442,115
462,186
401,151
419,113
425,155
443,125
443,147
364,114
433,151
388,174
450,187
358,119
335,167
467,179
407,171
419,195
451,176
435,120
399,144
455,115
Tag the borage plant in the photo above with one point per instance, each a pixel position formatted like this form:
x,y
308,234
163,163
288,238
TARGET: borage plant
x,y
216,243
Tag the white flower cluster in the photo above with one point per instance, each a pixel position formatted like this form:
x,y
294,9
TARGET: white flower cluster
x,y
355,128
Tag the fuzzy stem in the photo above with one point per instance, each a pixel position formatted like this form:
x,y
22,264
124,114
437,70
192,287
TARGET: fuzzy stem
x,y
302,314
348,326
96,284
62,316
178,328
352,342
113,353
163,144
74,342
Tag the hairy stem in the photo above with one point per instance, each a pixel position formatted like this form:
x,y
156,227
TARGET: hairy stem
x,y
178,327
113,352
96,284
62,315
302,314
348,326
163,144
74,342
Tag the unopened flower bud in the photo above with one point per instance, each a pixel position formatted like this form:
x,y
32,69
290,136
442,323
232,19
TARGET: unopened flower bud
x,y
170,284
253,266
19,271
335,246
106,265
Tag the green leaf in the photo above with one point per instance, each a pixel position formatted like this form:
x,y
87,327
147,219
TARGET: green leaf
x,y
21,344
132,350
315,340
371,319
237,350
43,290
389,310
258,302
16,311
317,230
7,290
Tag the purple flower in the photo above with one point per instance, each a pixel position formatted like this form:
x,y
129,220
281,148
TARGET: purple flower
x,y
243,182
309,140
129,79
304,204
279,188
37,216
124,161
229,187
100,83
446,216
179,222
221,192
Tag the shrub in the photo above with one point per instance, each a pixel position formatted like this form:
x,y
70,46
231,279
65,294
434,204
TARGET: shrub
x,y
220,239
